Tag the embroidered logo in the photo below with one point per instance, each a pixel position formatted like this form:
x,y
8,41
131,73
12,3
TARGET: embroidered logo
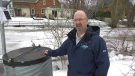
x,y
104,50
84,46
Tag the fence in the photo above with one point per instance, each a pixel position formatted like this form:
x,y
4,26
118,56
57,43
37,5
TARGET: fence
x,y
61,22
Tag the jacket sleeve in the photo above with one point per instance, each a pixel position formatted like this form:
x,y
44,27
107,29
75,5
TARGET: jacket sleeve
x,y
60,51
101,59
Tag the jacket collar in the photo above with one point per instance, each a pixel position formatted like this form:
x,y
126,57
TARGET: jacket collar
x,y
87,35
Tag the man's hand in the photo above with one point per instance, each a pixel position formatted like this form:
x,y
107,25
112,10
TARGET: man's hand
x,y
46,52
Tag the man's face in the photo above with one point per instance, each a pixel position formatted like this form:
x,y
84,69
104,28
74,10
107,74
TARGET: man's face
x,y
80,21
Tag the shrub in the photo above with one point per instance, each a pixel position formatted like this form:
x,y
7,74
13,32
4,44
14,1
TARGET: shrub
x,y
103,14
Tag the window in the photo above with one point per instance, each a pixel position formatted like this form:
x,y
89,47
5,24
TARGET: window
x,y
18,10
11,11
42,11
54,12
53,2
43,2
32,11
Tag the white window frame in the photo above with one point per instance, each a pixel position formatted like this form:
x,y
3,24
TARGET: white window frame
x,y
44,2
11,11
53,2
42,11
33,13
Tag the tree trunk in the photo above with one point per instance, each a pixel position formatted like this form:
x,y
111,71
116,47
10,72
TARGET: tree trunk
x,y
118,7
131,17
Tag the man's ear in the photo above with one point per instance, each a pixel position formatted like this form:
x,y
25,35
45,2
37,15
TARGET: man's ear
x,y
87,20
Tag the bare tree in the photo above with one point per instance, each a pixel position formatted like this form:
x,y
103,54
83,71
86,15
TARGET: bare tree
x,y
131,15
122,41
118,8
57,33
89,6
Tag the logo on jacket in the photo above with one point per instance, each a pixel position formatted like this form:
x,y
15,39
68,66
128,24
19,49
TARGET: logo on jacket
x,y
104,50
84,46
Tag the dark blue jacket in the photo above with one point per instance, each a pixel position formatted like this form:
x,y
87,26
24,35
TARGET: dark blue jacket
x,y
89,57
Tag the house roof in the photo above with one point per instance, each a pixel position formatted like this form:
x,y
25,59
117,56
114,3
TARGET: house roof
x,y
29,1
104,3
131,5
5,3
107,3
21,6
55,6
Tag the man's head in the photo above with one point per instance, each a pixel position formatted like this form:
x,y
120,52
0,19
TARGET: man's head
x,y
80,21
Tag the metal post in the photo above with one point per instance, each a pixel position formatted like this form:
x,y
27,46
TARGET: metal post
x,y
32,22
48,17
2,34
0,3
3,39
62,9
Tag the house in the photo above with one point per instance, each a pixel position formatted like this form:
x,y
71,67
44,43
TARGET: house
x,y
32,7
55,10
10,8
106,5
8,5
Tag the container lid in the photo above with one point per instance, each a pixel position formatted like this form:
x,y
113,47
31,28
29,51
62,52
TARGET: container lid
x,y
25,56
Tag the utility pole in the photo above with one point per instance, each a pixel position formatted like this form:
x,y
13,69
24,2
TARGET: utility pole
x,y
2,33
62,6
0,3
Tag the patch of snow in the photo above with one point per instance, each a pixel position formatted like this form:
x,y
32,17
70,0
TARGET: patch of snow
x,y
120,56
1,58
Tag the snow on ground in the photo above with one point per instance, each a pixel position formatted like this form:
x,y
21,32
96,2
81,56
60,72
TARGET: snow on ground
x,y
18,37
21,19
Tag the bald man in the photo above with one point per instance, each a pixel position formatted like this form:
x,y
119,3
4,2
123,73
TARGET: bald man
x,y
86,50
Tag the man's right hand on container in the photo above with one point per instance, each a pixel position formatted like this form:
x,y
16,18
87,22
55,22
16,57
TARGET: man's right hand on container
x,y
46,52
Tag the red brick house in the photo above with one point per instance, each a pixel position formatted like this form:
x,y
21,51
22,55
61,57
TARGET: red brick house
x,y
32,7
105,5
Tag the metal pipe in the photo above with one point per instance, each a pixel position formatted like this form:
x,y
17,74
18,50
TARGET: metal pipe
x,y
0,3
3,39
48,17
2,34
